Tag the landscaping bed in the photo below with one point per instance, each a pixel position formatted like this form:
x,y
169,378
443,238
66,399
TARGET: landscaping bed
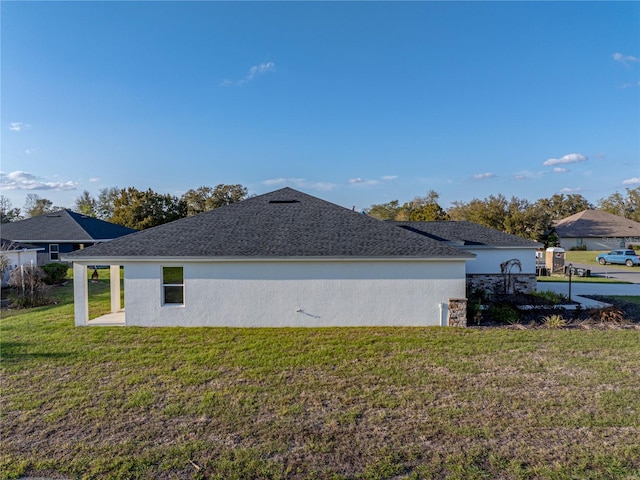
x,y
546,309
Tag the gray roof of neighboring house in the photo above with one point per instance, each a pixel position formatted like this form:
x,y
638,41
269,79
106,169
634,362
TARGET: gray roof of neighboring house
x,y
469,234
596,223
279,224
62,226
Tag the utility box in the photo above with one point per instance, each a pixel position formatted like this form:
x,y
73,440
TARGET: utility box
x,y
554,259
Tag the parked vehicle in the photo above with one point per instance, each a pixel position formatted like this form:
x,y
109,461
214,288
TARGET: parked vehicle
x,y
620,257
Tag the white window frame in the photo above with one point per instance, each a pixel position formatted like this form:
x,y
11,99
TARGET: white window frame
x,y
56,252
164,285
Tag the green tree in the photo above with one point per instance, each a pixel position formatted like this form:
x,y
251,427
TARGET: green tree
x,y
86,204
145,209
203,199
35,205
385,211
490,212
527,221
425,209
105,203
627,206
560,206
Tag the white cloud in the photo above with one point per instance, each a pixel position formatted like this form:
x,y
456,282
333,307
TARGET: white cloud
x,y
569,158
282,181
362,181
484,176
625,59
560,170
630,85
631,181
526,175
254,71
94,179
260,70
18,126
571,190
20,180
369,182
299,183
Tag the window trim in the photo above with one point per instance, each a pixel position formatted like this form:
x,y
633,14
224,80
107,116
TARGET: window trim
x,y
163,285
56,252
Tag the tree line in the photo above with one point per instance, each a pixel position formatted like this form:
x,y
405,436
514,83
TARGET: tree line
x,y
131,207
142,209
532,220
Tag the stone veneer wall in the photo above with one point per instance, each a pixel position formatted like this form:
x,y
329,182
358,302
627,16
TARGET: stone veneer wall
x,y
457,312
493,282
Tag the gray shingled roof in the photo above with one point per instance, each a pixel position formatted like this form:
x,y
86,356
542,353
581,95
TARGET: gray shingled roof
x,y
467,234
280,224
63,226
596,223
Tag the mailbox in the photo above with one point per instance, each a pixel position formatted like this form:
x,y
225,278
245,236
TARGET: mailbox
x,y
554,259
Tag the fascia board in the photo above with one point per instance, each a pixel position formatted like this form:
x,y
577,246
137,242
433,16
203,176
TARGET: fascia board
x,y
120,260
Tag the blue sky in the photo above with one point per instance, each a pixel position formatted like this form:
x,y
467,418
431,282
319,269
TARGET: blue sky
x,y
354,102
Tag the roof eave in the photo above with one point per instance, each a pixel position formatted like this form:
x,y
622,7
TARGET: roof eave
x,y
160,259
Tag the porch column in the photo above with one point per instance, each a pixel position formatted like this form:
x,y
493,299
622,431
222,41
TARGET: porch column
x,y
114,282
80,294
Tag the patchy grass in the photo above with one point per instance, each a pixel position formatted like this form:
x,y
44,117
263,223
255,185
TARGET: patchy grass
x,y
335,403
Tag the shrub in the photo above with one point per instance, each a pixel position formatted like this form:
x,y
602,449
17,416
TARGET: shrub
x,y
611,315
553,297
554,321
504,313
581,248
28,281
55,273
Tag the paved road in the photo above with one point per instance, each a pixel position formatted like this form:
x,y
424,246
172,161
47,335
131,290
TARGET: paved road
x,y
627,274
578,288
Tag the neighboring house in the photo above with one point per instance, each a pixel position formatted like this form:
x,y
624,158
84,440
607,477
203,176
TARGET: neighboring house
x,y
61,232
16,254
284,258
597,230
492,248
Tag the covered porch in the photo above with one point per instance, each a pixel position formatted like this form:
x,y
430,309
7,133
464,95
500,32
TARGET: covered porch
x,y
116,317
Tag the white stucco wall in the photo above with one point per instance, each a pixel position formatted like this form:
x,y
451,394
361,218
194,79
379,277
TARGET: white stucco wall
x,y
278,294
488,260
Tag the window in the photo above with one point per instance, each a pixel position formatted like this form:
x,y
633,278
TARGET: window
x,y
172,286
54,252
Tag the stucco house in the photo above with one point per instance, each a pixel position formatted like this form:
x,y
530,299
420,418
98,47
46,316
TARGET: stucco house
x,y
492,249
284,258
61,232
597,230
16,254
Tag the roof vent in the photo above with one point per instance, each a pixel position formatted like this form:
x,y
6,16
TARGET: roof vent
x,y
53,216
284,201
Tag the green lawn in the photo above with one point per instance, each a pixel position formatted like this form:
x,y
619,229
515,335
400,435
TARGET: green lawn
x,y
586,257
335,403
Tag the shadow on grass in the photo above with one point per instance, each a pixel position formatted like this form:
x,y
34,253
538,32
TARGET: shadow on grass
x,y
15,352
